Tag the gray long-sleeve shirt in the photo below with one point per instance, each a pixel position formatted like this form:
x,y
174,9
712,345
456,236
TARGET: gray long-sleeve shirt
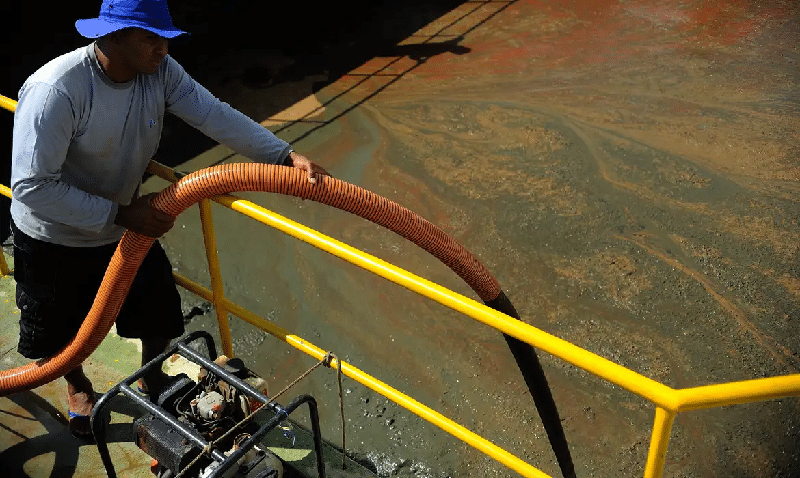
x,y
82,142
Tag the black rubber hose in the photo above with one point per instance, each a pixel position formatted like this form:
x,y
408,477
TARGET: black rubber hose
x,y
532,372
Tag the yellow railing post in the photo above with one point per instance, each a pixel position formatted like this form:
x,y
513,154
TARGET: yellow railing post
x,y
662,427
210,241
4,269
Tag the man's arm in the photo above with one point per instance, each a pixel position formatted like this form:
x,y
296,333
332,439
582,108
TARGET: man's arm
x,y
43,129
193,103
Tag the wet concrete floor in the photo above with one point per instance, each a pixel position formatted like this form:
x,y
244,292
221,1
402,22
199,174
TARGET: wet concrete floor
x,y
627,169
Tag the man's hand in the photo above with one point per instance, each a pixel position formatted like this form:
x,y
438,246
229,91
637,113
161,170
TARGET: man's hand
x,y
140,217
301,162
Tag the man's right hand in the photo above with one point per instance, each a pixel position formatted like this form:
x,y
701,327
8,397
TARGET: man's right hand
x,y
140,217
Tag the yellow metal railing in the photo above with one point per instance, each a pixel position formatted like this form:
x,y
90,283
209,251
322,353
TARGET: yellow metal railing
x,y
668,401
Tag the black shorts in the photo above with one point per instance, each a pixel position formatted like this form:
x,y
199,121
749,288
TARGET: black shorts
x,y
56,286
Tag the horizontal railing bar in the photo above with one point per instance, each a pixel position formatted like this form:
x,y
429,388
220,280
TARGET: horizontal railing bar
x,y
628,379
650,389
659,394
732,393
8,103
707,396
424,412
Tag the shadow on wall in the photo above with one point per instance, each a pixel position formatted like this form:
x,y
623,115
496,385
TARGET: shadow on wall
x,y
322,43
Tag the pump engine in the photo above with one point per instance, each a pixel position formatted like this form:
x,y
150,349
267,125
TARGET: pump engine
x,y
212,407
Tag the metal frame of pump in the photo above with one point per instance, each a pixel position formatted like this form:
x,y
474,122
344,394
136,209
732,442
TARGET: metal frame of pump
x,y
224,462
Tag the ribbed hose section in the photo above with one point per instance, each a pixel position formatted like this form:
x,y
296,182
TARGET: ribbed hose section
x,y
225,179
113,290
336,193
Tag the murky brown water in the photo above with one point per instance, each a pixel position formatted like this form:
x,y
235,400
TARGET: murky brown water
x,y
629,172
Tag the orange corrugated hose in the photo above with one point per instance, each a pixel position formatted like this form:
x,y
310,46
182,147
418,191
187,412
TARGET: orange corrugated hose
x,y
221,180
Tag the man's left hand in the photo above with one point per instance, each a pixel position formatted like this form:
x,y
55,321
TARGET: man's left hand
x,y
312,170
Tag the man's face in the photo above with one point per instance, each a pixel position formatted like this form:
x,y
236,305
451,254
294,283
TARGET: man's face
x,y
142,51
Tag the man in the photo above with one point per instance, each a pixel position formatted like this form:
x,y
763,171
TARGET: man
x,y
85,128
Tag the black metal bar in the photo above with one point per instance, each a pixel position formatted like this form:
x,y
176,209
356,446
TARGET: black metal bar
x,y
98,426
532,372
201,334
179,345
272,423
189,433
99,432
317,434
184,430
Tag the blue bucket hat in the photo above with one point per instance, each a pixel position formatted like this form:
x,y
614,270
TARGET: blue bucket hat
x,y
152,15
